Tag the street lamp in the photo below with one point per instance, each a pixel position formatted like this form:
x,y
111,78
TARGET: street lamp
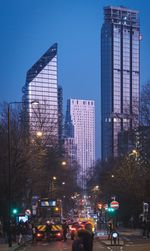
x,y
63,163
39,134
9,167
53,179
135,153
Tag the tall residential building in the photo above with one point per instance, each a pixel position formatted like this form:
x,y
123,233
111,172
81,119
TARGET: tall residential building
x,y
41,85
120,76
81,113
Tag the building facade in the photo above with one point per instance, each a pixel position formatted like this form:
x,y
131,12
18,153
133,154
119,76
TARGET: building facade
x,y
120,76
81,113
60,115
41,86
71,151
69,139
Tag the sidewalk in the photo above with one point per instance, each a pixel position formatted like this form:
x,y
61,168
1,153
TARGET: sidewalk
x,y
5,247
104,239
108,243
102,235
130,231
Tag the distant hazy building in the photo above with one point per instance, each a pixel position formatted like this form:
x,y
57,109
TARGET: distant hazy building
x,y
81,113
120,76
69,140
41,85
71,151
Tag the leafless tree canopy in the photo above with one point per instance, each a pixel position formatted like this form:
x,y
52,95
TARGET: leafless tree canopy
x,y
34,160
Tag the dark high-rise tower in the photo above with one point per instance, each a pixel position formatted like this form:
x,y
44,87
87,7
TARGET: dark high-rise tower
x,y
60,114
120,76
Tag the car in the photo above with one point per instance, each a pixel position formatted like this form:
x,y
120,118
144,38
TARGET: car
x,y
39,235
73,229
54,234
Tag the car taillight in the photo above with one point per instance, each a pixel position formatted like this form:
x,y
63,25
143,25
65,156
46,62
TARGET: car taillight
x,y
58,234
39,235
73,229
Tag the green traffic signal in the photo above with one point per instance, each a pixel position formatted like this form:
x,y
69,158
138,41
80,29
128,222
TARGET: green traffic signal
x,y
110,209
15,211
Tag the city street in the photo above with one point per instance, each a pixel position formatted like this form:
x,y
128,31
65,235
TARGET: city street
x,y
61,246
75,125
132,243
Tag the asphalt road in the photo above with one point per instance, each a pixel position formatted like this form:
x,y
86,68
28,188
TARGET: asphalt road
x,y
59,246
130,245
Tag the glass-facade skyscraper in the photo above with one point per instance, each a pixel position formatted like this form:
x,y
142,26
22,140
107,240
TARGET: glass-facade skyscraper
x,y
41,85
120,76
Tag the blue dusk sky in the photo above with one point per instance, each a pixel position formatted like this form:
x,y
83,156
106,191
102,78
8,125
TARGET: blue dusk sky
x,y
30,27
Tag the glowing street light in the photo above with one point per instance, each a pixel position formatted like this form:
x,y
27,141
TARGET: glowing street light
x,y
64,163
39,134
134,152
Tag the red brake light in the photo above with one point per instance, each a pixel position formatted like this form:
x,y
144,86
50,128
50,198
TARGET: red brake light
x,y
39,235
58,234
73,229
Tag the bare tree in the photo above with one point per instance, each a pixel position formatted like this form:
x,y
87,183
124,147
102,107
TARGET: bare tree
x,y
20,155
145,105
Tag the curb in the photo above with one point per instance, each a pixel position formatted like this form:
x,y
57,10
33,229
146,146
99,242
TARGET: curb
x,y
108,243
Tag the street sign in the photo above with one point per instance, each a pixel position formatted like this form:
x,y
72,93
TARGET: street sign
x,y
28,212
34,211
114,204
145,207
105,206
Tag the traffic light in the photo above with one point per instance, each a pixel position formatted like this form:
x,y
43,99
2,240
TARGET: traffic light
x,y
14,211
110,209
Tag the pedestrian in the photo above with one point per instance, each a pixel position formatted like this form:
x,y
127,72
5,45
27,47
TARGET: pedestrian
x,y
88,227
21,231
1,228
110,229
34,230
77,244
5,230
65,229
13,230
48,230
144,226
87,239
131,222
148,228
